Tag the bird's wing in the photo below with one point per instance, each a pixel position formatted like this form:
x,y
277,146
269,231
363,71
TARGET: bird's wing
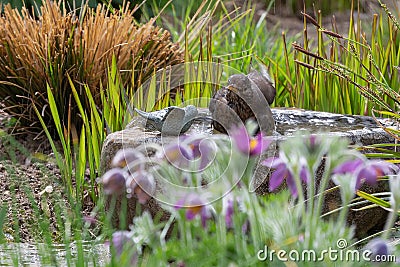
x,y
264,84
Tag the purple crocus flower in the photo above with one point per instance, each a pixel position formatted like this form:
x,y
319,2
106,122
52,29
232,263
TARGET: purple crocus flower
x,y
364,170
122,240
176,153
195,205
90,219
114,182
378,248
125,156
142,185
349,166
374,169
229,209
281,173
249,145
246,227
202,149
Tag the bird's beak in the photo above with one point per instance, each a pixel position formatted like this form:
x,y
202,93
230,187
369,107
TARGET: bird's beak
x,y
232,88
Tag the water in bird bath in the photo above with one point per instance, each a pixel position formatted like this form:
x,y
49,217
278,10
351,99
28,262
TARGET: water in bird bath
x,y
25,254
360,129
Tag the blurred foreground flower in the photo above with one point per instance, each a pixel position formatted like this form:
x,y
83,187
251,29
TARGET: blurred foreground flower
x,y
365,170
114,182
178,154
379,248
122,241
195,205
249,145
202,148
142,185
126,156
228,207
282,172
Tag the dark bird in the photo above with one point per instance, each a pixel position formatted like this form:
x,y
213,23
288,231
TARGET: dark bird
x,y
263,81
171,120
245,97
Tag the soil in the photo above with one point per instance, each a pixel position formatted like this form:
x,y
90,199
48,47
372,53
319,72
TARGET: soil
x,y
291,24
31,185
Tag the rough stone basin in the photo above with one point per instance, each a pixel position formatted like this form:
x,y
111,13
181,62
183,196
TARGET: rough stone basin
x,y
360,130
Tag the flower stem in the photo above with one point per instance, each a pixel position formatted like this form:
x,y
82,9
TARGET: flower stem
x,y
391,220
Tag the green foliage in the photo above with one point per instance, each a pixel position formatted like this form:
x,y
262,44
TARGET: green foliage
x,y
101,99
340,74
82,151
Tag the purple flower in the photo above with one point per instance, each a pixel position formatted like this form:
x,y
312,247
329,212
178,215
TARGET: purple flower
x,y
195,205
348,166
248,145
114,182
314,145
367,171
91,220
142,185
122,241
229,209
377,246
246,227
313,141
281,173
125,156
176,153
374,169
202,149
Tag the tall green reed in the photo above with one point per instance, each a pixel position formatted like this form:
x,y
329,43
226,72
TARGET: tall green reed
x,y
365,69
335,72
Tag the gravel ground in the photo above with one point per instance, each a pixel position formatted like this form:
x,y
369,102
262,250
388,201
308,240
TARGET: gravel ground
x,y
31,187
20,184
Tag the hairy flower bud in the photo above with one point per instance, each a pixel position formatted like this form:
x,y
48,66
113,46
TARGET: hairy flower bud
x,y
114,182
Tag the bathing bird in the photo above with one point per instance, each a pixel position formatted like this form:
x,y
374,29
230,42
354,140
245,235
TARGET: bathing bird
x,y
245,97
170,120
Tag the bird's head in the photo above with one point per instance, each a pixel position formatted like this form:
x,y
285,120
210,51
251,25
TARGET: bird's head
x,y
239,83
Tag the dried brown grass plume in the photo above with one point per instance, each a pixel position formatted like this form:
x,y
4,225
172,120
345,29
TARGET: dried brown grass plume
x,y
35,52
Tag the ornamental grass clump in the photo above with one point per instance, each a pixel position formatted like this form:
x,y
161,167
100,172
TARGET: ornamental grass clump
x,y
80,45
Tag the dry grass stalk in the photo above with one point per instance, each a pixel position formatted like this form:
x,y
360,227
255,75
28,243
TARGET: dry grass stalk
x,y
36,52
